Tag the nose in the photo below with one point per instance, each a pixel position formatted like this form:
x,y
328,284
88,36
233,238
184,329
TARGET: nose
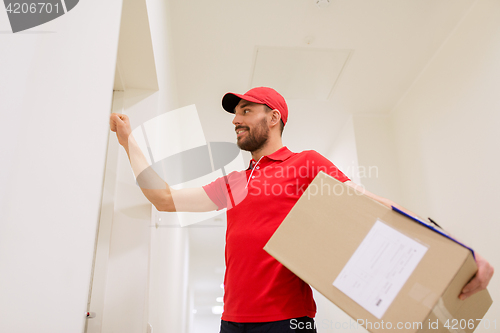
x,y
236,119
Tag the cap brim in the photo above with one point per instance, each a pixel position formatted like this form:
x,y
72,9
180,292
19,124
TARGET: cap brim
x,y
230,100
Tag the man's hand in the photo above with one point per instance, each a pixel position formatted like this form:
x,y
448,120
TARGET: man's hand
x,y
480,280
120,124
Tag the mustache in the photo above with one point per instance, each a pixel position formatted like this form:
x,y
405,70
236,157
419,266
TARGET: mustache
x,y
241,127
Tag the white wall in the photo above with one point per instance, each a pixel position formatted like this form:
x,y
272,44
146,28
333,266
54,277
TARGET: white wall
x,y
343,152
147,270
377,159
448,140
168,299
364,150
125,306
55,99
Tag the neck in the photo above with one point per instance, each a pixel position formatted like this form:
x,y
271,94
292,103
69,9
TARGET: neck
x,y
269,147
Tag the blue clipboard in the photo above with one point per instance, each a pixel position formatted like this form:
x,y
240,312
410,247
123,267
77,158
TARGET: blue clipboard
x,y
433,229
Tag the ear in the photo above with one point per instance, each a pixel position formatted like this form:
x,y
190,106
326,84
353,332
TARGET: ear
x,y
275,117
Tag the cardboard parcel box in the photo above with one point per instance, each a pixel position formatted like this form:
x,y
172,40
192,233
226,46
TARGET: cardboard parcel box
x,y
384,269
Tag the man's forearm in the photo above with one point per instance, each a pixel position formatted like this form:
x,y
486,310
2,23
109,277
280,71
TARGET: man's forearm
x,y
156,190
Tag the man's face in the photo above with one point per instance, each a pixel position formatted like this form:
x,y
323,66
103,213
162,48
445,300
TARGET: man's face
x,y
251,127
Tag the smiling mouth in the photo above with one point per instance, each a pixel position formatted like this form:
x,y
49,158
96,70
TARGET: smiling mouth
x,y
240,132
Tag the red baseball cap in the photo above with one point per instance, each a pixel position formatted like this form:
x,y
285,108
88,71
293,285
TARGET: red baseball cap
x,y
260,95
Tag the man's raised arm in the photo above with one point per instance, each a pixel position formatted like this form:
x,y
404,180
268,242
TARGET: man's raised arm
x,y
156,190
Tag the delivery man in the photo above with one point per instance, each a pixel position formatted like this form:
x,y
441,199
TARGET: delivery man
x,y
260,294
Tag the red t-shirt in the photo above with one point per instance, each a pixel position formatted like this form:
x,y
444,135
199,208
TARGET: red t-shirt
x,y
257,288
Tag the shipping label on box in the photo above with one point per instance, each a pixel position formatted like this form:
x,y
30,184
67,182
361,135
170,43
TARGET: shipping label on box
x,y
379,268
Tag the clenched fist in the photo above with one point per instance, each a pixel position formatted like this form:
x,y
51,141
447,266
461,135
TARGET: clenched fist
x,y
120,124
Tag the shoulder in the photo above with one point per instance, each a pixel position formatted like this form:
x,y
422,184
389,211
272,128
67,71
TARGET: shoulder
x,y
308,153
317,162
312,155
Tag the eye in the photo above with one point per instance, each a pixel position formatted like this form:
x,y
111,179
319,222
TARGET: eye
x,y
246,111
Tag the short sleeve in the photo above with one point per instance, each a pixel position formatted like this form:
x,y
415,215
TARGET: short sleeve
x,y
228,191
216,191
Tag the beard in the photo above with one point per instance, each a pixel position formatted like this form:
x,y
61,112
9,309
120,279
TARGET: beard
x,y
255,138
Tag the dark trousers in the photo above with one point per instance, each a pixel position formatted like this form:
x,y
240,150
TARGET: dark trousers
x,y
296,325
